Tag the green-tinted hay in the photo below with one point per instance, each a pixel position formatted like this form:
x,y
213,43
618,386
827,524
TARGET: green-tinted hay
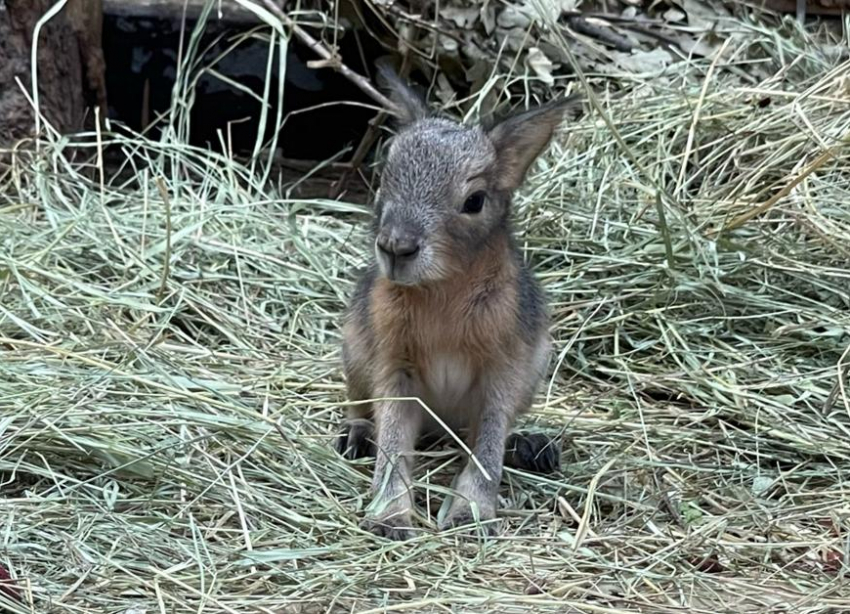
x,y
165,430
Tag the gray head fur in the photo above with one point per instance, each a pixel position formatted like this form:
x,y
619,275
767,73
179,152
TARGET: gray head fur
x,y
446,188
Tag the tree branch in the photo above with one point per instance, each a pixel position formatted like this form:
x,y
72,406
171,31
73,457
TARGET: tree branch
x,y
330,59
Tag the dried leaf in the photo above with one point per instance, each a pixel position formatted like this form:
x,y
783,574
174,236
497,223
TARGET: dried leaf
x,y
449,44
540,64
515,38
479,71
445,92
462,17
642,62
701,14
553,8
513,17
472,51
488,17
674,15
761,484
695,46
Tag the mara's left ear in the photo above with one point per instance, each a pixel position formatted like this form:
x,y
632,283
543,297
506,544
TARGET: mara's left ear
x,y
409,107
519,139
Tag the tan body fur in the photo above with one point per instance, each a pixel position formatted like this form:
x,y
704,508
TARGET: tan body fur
x,y
450,336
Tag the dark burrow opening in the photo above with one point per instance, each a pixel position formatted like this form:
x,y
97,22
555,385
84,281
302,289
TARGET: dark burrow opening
x,y
325,112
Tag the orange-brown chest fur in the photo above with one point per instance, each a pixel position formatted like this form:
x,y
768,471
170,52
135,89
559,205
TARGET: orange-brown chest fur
x,y
472,316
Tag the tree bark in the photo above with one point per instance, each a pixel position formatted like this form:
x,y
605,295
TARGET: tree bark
x,y
70,65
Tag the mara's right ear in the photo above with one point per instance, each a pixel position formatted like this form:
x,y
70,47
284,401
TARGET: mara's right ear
x,y
409,106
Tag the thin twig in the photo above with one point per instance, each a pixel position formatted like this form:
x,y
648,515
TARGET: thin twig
x,y
163,192
370,136
331,60
600,33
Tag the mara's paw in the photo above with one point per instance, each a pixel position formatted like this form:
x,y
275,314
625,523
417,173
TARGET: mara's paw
x,y
533,452
356,440
462,516
396,528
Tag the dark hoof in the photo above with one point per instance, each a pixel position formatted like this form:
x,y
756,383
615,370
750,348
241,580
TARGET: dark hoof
x,y
395,528
464,518
532,452
356,440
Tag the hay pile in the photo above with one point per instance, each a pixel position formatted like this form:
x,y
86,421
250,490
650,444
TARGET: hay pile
x,y
169,380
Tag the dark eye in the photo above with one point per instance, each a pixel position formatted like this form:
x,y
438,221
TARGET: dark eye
x,y
474,203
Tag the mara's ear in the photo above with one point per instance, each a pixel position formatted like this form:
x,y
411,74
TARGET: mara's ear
x,y
409,106
519,139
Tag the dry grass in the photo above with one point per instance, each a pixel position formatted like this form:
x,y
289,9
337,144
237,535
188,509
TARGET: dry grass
x,y
169,381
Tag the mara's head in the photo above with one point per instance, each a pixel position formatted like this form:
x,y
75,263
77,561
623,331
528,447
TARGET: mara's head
x,y
446,188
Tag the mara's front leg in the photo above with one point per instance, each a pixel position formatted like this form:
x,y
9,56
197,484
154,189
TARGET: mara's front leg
x,y
504,395
397,424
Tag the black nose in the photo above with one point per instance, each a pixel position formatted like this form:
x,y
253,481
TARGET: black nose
x,y
398,245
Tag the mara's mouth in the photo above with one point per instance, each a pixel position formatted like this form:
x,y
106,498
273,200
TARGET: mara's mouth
x,y
421,266
403,273
400,262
